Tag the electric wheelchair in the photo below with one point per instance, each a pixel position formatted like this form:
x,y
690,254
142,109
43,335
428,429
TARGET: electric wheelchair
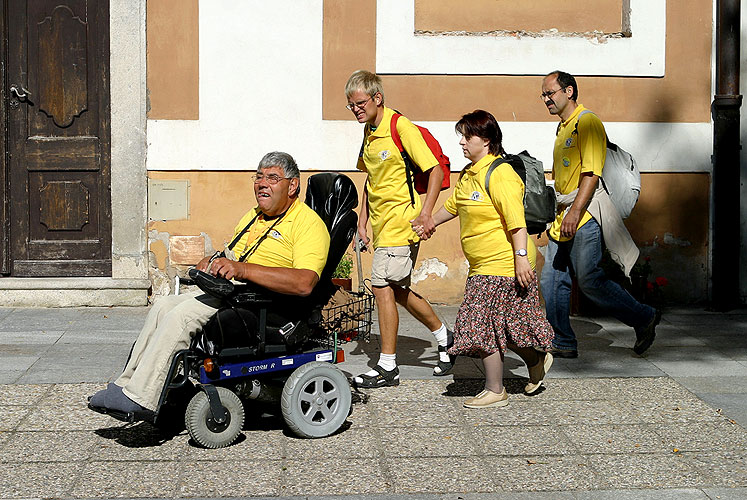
x,y
243,353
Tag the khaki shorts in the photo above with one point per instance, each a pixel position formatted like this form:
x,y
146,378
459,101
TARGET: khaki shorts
x,y
393,265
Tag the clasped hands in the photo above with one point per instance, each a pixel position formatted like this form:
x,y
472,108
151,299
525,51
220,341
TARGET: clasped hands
x,y
423,226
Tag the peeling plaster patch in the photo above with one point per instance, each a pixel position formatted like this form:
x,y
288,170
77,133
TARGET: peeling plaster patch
x,y
464,268
429,266
209,250
670,239
160,283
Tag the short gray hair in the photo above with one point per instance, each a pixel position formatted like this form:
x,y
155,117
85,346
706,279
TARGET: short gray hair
x,y
282,160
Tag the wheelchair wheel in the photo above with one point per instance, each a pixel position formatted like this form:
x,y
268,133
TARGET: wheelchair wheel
x,y
204,430
316,400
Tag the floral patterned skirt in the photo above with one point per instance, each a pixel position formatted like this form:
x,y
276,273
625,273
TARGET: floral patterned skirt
x,y
496,311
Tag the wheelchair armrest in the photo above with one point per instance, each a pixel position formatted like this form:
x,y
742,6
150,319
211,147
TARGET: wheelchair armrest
x,y
213,285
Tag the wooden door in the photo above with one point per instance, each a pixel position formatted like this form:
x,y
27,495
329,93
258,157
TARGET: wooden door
x,y
57,88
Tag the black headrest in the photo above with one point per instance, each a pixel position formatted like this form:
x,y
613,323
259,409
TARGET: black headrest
x,y
331,196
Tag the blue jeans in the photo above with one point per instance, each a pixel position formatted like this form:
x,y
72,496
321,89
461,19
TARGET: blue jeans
x,y
580,257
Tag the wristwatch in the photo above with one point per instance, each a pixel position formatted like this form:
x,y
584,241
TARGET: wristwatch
x,y
521,252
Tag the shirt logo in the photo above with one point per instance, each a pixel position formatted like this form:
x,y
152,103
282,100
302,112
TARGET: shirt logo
x,y
566,162
276,235
476,196
568,142
384,154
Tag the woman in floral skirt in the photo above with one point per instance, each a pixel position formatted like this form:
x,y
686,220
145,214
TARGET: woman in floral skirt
x,y
501,300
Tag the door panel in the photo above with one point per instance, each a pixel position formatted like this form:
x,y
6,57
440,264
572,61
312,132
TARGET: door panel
x,y
59,138
4,194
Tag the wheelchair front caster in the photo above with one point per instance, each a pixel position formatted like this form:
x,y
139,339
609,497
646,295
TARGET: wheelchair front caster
x,y
204,429
316,400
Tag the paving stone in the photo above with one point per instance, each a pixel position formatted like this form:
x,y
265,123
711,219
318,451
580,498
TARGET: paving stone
x,y
351,443
251,445
521,411
439,412
623,471
618,438
69,394
668,411
96,336
457,475
38,480
659,494
546,473
242,479
447,442
64,418
580,389
726,493
128,480
410,390
522,441
29,338
47,447
352,476
141,441
10,376
703,436
590,412
11,416
720,468
22,394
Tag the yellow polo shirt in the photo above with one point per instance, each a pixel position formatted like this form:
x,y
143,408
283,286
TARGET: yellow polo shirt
x,y
485,222
575,154
298,241
389,207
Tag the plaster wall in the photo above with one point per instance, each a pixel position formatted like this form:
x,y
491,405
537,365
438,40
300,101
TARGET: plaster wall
x,y
271,76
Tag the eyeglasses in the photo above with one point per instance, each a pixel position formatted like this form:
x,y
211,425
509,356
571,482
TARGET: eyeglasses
x,y
352,105
550,93
271,179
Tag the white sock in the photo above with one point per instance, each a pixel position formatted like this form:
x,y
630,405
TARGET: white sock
x,y
440,335
442,339
388,361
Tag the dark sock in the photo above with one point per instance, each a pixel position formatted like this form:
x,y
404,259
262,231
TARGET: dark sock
x,y
99,399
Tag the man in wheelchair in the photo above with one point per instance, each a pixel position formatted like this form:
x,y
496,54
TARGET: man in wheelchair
x,y
281,246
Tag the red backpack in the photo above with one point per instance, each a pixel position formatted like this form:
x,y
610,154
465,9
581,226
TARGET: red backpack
x,y
415,176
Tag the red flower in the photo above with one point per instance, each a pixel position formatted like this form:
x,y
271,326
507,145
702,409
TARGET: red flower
x,y
649,286
661,281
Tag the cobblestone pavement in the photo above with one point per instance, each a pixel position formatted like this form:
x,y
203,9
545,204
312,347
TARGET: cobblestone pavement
x,y
607,425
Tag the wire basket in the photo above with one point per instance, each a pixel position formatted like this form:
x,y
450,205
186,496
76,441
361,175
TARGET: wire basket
x,y
350,321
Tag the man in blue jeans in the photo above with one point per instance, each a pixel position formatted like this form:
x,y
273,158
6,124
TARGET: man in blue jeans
x,y
575,245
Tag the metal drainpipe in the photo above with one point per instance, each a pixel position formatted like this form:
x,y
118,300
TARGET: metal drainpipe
x,y
726,151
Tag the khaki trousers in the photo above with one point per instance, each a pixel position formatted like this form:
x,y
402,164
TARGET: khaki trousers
x,y
169,327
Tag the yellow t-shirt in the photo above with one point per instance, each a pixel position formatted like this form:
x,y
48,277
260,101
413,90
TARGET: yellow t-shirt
x,y
389,207
298,241
574,154
485,223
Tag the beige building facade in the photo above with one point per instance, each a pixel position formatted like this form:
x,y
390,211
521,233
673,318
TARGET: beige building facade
x,y
200,91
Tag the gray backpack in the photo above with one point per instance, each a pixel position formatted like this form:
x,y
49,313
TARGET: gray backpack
x,y
539,198
620,176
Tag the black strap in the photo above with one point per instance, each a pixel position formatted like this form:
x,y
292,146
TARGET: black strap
x,y
238,237
261,238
